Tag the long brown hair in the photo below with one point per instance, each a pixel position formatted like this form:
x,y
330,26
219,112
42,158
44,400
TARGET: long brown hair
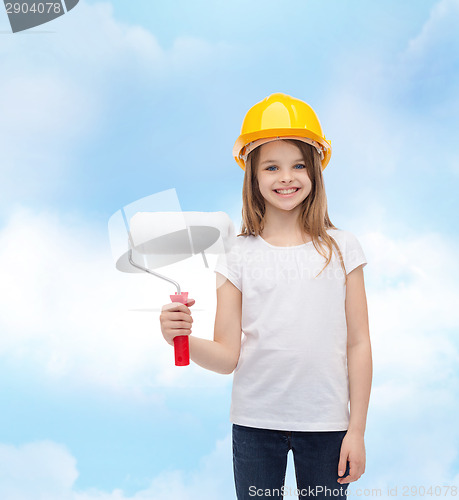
x,y
313,218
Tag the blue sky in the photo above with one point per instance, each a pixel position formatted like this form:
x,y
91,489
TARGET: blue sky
x,y
119,100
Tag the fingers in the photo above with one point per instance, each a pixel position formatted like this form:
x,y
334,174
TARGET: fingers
x,y
178,325
176,320
355,471
342,464
178,306
177,316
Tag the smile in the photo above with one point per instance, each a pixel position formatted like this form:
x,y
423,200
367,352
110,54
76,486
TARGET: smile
x,y
286,193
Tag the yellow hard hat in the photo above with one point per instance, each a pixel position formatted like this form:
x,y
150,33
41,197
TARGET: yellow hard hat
x,y
280,116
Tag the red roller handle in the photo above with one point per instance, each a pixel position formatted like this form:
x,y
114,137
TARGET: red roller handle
x,y
181,342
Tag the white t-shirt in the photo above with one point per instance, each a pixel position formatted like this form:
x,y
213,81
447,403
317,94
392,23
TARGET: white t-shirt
x,y
292,369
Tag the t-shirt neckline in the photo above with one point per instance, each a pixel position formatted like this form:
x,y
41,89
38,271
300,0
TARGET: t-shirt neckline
x,y
276,246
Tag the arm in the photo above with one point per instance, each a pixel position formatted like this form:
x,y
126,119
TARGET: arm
x,y
210,355
360,374
359,358
221,354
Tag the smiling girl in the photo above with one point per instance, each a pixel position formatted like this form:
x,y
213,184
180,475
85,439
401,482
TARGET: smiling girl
x,y
291,319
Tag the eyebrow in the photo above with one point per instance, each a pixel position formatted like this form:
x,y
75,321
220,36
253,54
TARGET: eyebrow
x,y
275,161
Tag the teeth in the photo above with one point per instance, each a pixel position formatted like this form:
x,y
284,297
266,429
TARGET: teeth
x,y
285,191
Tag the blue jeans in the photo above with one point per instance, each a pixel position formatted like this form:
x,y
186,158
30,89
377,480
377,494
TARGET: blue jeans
x,y
260,463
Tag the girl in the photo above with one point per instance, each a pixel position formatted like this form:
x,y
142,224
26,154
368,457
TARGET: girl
x,y
293,284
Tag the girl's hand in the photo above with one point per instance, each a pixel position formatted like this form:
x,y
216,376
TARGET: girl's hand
x,y
176,320
352,450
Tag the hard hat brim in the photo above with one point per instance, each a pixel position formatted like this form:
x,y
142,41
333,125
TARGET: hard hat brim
x,y
245,139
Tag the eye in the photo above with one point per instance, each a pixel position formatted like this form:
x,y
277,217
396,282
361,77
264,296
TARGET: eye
x,y
297,165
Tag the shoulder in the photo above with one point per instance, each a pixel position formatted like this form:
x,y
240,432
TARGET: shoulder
x,y
235,247
347,241
242,241
241,249
239,241
338,235
341,235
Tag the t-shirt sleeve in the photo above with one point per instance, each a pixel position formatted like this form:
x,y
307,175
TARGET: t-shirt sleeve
x,y
229,264
353,254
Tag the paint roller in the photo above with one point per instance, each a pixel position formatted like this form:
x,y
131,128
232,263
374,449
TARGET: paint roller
x,y
157,239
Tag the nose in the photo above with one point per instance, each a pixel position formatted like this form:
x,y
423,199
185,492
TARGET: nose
x,y
286,178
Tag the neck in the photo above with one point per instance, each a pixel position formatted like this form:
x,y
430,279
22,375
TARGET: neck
x,y
282,224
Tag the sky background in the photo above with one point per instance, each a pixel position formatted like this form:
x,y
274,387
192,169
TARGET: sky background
x,y
115,101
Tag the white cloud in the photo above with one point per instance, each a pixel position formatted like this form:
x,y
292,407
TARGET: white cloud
x,y
41,470
47,471
58,90
412,436
391,118
427,69
109,43
67,312
437,39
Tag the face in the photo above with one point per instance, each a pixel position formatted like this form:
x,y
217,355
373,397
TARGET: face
x,y
280,167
